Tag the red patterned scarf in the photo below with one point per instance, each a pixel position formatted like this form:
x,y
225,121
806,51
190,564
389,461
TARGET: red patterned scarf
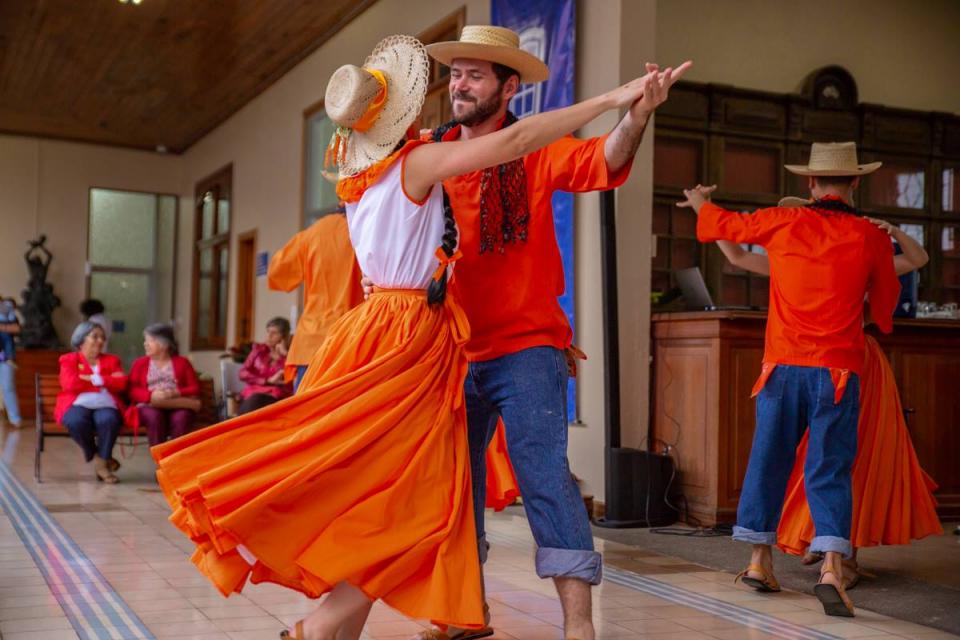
x,y
504,210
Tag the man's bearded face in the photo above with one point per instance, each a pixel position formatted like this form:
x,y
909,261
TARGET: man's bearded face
x,y
475,92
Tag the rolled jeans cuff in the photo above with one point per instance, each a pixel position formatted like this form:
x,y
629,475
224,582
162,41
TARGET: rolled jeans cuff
x,y
742,534
823,544
570,563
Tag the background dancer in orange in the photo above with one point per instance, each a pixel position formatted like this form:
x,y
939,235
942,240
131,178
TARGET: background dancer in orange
x,y
823,260
892,496
359,485
321,258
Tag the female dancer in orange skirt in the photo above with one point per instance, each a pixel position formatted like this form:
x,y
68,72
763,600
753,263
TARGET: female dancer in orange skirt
x,y
892,496
359,486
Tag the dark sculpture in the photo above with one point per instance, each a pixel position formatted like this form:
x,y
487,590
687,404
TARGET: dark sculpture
x,y
38,300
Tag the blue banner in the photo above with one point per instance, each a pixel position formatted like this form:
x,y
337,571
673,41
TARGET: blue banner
x,y
547,29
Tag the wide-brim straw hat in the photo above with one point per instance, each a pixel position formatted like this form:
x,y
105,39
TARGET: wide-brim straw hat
x,y
833,159
405,67
493,44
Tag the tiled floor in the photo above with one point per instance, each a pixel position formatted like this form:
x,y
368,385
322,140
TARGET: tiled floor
x,y
102,562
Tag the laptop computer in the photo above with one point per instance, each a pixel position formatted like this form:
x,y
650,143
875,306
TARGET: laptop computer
x,y
696,294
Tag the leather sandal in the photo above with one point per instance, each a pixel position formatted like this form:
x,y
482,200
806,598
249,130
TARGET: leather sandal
x,y
834,600
459,634
767,584
851,574
297,628
113,464
811,557
103,471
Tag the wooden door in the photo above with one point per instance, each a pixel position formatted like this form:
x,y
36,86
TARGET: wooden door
x,y
246,279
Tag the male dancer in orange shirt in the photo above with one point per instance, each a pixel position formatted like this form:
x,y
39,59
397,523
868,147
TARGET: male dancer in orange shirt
x,y
823,260
519,333
322,259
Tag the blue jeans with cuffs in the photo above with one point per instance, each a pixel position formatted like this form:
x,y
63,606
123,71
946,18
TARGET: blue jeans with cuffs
x,y
794,398
529,390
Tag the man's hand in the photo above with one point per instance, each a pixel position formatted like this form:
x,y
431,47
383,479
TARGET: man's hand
x,y
367,285
656,88
696,197
622,143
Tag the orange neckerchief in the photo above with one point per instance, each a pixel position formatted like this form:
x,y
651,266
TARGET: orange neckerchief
x,y
351,189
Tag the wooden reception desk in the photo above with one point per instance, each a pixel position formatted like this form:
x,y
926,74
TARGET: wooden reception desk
x,y
705,364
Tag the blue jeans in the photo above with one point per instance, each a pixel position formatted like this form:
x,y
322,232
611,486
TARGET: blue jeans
x,y
793,398
9,390
529,390
95,430
297,379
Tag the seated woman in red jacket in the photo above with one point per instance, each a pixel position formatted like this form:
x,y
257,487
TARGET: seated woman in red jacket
x,y
164,386
263,369
89,405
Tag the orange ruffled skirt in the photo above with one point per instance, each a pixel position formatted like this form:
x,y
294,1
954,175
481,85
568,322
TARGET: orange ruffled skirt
x,y
892,496
363,476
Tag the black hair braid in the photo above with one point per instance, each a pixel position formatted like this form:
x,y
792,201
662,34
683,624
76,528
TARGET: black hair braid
x,y
437,289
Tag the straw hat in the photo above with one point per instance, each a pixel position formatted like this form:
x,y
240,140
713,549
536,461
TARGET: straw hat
x,y
833,159
494,44
373,105
791,202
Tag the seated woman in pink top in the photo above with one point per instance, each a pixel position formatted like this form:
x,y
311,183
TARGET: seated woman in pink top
x,y
263,369
164,389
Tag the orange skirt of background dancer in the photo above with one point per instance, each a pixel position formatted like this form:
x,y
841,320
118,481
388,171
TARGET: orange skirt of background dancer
x,y
892,496
502,487
363,476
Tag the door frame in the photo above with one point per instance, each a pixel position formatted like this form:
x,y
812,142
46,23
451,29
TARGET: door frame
x,y
246,270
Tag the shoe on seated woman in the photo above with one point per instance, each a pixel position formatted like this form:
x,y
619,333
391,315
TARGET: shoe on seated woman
x,y
104,474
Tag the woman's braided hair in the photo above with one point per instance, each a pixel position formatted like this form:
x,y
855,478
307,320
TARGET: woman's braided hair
x,y
437,289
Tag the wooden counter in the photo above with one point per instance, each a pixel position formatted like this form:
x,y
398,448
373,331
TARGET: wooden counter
x,y
705,364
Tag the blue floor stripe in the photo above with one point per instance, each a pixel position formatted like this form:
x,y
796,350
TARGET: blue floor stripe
x,y
702,602
74,581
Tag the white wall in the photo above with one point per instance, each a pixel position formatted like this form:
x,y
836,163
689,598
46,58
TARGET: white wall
x,y
902,53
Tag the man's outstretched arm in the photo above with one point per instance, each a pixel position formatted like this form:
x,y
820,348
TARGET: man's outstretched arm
x,y
622,143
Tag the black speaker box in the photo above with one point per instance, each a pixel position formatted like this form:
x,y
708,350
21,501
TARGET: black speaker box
x,y
640,481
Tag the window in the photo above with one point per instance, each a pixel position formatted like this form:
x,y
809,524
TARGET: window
x,y
319,194
211,261
130,262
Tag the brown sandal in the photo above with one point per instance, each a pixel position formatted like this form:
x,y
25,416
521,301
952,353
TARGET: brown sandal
x,y
102,468
834,600
767,584
851,574
464,634
298,629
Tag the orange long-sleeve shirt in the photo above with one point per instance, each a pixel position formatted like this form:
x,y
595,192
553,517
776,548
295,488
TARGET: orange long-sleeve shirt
x,y
321,257
821,265
511,298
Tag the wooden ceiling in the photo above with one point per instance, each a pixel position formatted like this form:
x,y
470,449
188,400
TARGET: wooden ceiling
x,y
164,72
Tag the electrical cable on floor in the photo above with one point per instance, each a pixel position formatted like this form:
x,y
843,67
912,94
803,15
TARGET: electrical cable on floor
x,y
699,531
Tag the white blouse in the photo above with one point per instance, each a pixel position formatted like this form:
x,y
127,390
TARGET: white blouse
x,y
395,238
